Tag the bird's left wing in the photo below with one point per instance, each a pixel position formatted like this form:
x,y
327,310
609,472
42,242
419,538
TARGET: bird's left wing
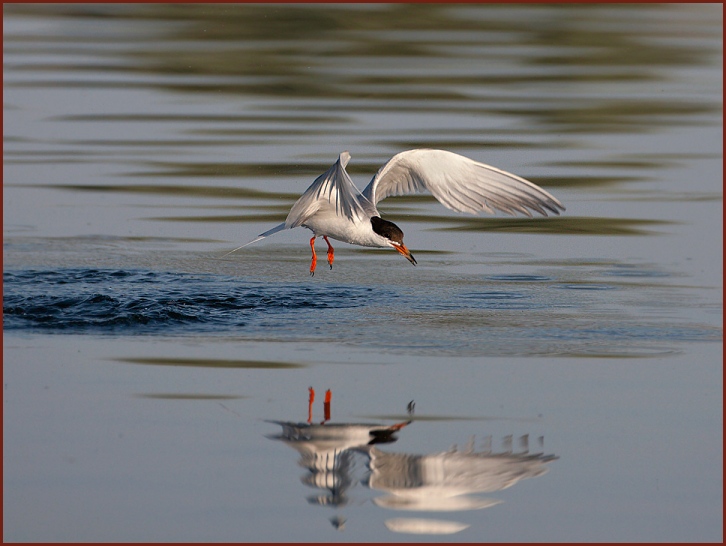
x,y
459,183
332,189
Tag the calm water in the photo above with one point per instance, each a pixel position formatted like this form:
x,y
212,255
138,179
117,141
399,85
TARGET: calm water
x,y
566,373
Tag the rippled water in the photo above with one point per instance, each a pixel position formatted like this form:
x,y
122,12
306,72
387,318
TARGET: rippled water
x,y
156,389
144,302
476,316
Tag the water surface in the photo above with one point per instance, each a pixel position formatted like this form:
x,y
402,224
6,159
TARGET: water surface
x,y
568,368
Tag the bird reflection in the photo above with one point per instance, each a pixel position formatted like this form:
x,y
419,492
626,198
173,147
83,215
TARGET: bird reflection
x,y
329,450
443,481
437,482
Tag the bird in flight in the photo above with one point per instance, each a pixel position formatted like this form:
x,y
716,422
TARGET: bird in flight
x,y
332,207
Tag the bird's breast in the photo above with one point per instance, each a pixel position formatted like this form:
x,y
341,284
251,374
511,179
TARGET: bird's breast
x,y
355,232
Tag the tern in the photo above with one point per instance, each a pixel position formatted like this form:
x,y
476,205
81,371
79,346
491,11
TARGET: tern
x,y
332,207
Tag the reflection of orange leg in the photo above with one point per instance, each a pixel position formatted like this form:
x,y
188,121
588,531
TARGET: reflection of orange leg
x,y
326,406
315,258
311,399
331,252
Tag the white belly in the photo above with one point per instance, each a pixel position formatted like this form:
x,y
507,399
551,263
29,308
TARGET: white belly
x,y
342,229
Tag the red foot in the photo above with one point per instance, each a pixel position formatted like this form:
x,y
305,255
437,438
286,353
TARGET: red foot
x,y
326,406
315,257
311,399
331,252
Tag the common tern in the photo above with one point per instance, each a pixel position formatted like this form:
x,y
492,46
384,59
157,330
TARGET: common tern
x,y
332,207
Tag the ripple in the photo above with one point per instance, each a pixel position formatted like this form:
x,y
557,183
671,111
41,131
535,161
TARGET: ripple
x,y
585,286
518,278
212,363
623,270
499,299
120,301
493,295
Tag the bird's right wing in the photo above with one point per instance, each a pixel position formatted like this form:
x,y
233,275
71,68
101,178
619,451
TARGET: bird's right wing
x,y
459,183
332,189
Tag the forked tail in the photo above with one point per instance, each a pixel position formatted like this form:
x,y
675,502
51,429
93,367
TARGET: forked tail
x,y
261,236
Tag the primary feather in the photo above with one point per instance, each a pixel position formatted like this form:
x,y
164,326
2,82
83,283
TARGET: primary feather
x,y
459,183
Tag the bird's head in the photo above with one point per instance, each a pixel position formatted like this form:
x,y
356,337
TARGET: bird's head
x,y
393,235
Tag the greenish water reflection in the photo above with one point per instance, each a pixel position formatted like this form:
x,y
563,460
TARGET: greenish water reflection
x,y
172,396
579,43
212,363
570,225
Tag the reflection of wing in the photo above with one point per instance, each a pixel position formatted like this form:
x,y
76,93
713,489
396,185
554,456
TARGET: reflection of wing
x,y
443,481
333,190
452,473
459,183
427,526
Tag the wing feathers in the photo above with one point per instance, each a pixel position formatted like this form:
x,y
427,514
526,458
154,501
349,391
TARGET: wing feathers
x,y
459,183
332,188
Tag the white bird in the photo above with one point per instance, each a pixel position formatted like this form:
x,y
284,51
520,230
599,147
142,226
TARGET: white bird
x,y
333,207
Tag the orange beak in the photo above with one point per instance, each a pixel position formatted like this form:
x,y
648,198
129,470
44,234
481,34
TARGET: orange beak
x,y
403,251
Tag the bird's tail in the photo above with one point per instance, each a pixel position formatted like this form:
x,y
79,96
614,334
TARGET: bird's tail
x,y
261,236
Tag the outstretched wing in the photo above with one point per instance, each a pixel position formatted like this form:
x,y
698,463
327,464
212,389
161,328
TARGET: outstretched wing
x,y
332,190
459,183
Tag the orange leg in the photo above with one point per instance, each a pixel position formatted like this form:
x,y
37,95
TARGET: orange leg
x,y
311,399
331,252
315,257
326,406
